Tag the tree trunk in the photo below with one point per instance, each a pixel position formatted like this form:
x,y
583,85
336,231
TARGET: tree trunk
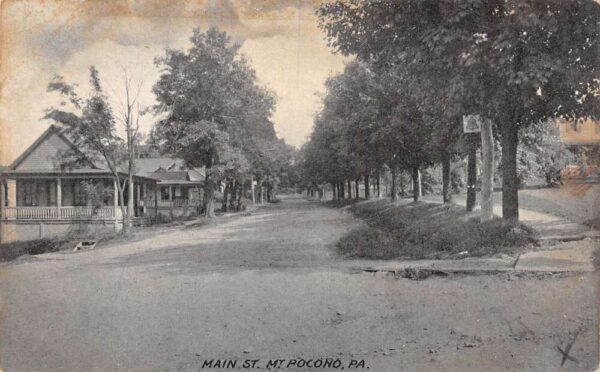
x,y
356,182
420,179
401,179
367,190
378,185
225,196
487,176
510,181
209,198
233,191
241,187
252,188
349,189
268,192
471,177
333,191
274,189
123,209
342,190
130,205
394,172
446,194
416,184
262,192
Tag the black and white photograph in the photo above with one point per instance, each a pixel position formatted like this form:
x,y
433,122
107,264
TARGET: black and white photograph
x,y
299,185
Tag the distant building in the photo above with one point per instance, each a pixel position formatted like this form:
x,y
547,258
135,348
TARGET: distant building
x,y
178,187
582,133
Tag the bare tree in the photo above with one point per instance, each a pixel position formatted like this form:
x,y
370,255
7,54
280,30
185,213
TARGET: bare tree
x,y
91,126
129,116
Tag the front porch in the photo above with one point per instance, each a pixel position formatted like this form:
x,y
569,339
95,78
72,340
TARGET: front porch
x,y
68,197
36,206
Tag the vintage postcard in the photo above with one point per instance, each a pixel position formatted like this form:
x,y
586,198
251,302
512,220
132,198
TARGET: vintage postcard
x,y
299,185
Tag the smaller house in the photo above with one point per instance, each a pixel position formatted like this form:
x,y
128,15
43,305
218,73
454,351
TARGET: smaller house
x,y
178,187
586,132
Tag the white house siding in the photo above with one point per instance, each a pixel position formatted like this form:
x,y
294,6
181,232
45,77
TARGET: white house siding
x,y
44,156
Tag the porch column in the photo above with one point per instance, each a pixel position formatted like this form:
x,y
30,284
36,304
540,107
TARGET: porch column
x,y
145,192
58,197
2,199
171,201
156,189
115,196
11,191
137,186
2,214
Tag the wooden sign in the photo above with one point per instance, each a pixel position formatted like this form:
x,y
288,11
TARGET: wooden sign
x,y
471,123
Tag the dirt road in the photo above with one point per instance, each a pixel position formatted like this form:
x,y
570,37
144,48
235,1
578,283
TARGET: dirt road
x,y
269,286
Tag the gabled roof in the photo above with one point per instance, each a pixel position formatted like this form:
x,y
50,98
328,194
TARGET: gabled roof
x,y
164,168
145,166
52,130
197,174
166,175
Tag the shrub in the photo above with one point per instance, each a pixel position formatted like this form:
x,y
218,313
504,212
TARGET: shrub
x,y
361,242
426,230
10,251
340,203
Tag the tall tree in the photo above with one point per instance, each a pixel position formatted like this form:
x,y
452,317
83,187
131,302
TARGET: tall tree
x,y
212,107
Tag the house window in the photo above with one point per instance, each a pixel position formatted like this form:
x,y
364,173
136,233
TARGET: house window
x,y
164,193
30,194
181,192
79,197
51,193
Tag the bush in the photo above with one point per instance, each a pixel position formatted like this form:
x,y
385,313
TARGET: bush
x,y
338,203
426,230
10,251
360,243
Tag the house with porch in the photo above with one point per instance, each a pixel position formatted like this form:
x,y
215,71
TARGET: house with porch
x,y
40,198
178,188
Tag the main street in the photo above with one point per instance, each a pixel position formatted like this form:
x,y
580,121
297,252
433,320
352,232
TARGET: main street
x,y
269,285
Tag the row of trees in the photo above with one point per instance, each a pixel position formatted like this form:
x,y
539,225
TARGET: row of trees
x,y
420,65
211,111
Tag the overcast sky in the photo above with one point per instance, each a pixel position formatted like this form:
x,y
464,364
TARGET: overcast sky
x,y
40,39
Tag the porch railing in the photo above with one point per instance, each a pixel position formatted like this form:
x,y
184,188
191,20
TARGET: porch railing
x,y
175,203
43,213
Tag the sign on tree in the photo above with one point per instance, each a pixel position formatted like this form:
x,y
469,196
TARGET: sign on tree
x,y
471,123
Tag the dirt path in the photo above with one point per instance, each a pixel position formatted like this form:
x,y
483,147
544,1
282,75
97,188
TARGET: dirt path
x,y
269,286
553,212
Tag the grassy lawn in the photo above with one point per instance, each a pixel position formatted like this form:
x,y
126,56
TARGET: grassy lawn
x,y
427,230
